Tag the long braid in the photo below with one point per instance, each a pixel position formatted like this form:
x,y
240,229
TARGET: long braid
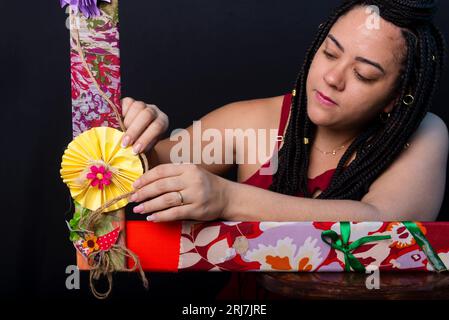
x,y
290,173
380,143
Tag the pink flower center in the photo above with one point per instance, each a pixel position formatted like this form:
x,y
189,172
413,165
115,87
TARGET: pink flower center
x,y
99,177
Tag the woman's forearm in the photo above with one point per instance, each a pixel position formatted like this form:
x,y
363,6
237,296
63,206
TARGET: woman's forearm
x,y
153,158
248,203
160,153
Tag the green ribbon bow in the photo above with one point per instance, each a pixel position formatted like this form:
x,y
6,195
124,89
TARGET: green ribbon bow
x,y
342,244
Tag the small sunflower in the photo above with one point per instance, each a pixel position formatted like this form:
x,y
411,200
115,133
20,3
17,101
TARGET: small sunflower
x,y
90,243
97,169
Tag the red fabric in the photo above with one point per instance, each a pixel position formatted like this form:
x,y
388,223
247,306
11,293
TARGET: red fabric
x,y
160,255
244,285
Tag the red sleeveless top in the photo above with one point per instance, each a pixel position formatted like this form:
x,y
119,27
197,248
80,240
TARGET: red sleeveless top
x,y
320,182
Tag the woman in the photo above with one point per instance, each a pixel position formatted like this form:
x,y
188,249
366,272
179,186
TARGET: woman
x,y
356,125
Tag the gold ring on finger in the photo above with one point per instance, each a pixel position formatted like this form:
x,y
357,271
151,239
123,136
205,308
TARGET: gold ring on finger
x,y
180,198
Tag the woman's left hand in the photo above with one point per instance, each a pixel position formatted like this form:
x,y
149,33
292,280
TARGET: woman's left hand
x,y
162,189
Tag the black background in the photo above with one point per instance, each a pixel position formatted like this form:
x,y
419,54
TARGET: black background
x,y
187,57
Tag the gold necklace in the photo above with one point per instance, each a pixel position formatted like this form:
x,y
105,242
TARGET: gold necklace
x,y
334,151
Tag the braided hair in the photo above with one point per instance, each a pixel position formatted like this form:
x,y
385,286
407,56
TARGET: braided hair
x,y
381,142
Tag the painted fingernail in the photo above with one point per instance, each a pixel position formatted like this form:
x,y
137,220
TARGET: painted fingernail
x,y
133,198
136,184
138,209
125,141
150,218
136,148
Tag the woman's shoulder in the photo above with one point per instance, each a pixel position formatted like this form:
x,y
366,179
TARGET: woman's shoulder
x,y
419,169
435,120
433,129
251,113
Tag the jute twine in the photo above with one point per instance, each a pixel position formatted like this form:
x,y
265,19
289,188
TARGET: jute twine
x,y
101,262
102,266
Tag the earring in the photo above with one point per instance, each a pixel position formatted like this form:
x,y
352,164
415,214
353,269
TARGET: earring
x,y
384,116
408,100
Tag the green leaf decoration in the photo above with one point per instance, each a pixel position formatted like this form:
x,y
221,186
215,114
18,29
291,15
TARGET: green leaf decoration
x,y
80,212
74,236
74,223
105,226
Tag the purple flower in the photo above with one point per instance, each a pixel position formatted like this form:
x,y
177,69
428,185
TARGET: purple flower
x,y
89,8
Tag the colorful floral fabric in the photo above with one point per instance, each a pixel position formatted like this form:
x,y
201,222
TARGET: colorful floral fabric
x,y
99,41
298,246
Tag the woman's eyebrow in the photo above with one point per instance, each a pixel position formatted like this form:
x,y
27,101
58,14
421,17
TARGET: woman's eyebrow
x,y
374,64
330,36
360,59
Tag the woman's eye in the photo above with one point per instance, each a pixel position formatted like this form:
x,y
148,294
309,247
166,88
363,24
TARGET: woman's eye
x,y
362,78
329,55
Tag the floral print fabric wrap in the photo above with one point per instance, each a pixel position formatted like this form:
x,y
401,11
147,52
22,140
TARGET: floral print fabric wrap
x,y
99,41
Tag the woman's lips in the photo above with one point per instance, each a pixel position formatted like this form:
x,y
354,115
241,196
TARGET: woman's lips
x,y
325,100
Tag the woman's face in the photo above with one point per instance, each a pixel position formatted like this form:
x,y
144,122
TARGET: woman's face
x,y
354,72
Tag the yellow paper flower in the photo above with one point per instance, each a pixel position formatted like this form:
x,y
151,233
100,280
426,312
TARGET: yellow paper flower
x,y
97,169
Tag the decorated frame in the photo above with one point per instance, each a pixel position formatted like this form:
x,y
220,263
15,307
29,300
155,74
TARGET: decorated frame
x,y
100,173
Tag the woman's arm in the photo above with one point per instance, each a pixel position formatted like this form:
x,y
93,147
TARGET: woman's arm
x,y
248,114
411,189
146,124
248,203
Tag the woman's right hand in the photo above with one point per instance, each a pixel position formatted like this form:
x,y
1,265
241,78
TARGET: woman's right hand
x,y
145,124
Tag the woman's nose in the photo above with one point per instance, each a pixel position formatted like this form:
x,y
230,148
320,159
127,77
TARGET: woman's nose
x,y
335,78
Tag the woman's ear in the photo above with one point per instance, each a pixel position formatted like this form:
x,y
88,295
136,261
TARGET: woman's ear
x,y
389,107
